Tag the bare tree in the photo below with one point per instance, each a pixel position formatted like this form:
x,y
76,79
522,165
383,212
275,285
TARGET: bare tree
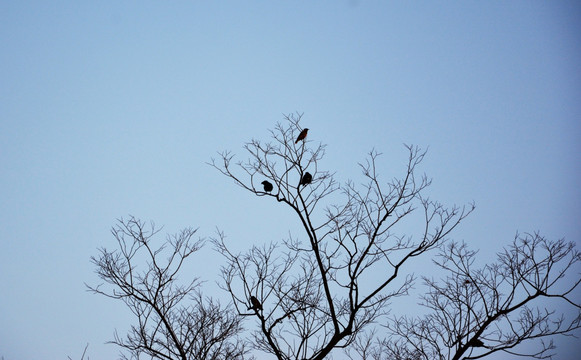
x,y
319,291
476,312
174,321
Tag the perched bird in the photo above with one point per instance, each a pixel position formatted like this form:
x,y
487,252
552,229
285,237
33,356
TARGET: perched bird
x,y
307,178
476,343
302,135
255,304
267,186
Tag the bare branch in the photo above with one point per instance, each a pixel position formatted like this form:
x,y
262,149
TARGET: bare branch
x,y
174,320
320,292
477,312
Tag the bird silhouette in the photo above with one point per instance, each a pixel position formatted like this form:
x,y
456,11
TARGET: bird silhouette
x,y
476,343
255,304
302,135
307,178
267,186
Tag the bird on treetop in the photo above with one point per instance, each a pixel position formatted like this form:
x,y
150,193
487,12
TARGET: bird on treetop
x,y
307,178
302,135
267,186
255,304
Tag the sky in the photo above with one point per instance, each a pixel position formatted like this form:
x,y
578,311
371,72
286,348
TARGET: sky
x,y
111,109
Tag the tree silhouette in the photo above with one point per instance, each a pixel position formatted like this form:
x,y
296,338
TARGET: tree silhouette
x,y
319,293
174,321
329,287
475,312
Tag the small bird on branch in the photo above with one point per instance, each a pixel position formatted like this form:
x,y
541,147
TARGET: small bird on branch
x,y
476,343
267,186
302,135
307,178
255,304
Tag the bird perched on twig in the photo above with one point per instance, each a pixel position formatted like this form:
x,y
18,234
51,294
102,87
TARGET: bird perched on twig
x,y
476,343
267,186
302,135
307,178
255,304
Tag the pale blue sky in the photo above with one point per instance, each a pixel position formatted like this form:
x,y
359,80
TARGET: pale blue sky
x,y
113,108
